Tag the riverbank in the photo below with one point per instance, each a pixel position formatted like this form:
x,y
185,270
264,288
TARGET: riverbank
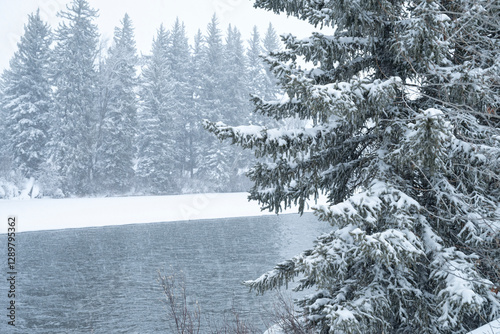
x,y
50,214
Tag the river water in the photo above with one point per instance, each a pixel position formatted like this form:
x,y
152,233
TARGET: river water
x,y
104,280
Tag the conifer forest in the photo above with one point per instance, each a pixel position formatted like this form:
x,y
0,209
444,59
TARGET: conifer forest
x,y
390,111
85,119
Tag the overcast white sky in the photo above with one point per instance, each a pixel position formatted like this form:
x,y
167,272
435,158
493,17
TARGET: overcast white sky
x,y
147,15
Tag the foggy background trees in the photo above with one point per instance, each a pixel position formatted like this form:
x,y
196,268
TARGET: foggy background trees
x,y
85,118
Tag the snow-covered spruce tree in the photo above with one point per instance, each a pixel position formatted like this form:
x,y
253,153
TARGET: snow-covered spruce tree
x,y
215,164
194,129
271,41
400,102
178,55
261,80
473,87
236,106
5,154
75,103
258,81
117,124
156,143
271,44
26,98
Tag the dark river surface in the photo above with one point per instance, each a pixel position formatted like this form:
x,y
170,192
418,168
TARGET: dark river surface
x,y
104,280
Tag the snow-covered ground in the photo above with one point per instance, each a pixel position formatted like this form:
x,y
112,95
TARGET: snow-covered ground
x,y
48,214
491,328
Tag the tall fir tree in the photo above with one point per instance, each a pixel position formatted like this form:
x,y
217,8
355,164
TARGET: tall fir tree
x,y
194,128
214,166
399,144
212,92
261,80
469,86
178,55
271,44
236,107
26,99
256,72
117,124
75,108
234,78
5,154
156,140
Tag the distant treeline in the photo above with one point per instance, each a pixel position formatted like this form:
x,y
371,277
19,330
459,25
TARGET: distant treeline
x,y
82,119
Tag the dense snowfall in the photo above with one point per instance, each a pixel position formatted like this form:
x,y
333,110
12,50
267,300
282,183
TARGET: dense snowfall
x,y
90,121
395,122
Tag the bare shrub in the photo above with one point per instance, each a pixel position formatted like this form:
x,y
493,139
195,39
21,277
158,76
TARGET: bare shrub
x,y
232,324
186,319
286,316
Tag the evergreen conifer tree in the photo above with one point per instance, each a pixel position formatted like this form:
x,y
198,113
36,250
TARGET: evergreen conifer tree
x,y
256,72
26,99
156,163
234,81
212,93
214,165
237,105
271,44
399,143
118,107
194,128
75,103
5,154
179,58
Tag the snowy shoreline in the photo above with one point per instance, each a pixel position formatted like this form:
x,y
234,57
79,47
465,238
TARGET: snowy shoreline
x,y
52,214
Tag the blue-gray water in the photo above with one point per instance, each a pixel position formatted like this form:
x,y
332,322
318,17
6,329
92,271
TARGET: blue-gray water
x,y
104,280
